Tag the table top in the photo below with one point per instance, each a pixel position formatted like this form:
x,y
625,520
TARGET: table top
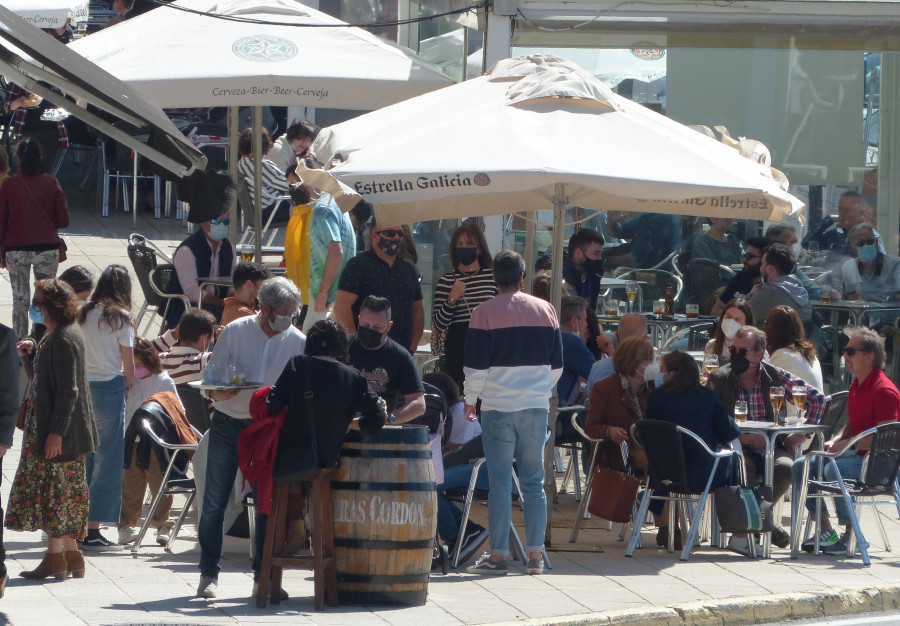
x,y
754,426
653,318
265,249
853,305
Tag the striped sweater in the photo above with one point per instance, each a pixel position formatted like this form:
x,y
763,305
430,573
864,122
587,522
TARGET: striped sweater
x,y
513,353
480,287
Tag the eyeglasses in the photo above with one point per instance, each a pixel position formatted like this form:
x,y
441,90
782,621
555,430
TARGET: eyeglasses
x,y
851,351
226,221
389,232
865,242
750,256
742,351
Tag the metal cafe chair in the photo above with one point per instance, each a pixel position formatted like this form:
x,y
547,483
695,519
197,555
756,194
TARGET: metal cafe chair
x,y
878,478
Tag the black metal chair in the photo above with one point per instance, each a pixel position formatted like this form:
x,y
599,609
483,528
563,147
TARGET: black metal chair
x,y
568,438
196,407
878,478
663,444
159,282
702,278
144,255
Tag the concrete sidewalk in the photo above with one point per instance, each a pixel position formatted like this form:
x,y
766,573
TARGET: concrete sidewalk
x,y
591,582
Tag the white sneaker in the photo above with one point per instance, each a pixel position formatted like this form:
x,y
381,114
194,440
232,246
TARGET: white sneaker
x,y
207,587
127,534
163,535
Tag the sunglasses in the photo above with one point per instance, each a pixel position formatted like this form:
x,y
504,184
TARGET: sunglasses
x,y
750,256
226,221
742,351
865,242
851,351
389,232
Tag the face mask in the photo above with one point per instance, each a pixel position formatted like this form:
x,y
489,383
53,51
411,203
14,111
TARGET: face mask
x,y
218,232
466,256
659,380
390,247
369,337
35,315
651,371
593,266
797,249
867,253
739,363
141,372
281,323
730,327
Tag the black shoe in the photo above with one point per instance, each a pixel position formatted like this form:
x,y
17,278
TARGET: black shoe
x,y
100,543
475,536
780,537
662,538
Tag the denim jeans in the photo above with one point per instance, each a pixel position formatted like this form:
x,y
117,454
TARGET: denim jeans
x,y
104,467
449,515
518,435
850,466
221,470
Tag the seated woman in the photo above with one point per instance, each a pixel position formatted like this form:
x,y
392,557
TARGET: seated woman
x,y
680,399
789,348
737,313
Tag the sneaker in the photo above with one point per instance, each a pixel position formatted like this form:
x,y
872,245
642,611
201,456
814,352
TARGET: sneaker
x,y
100,544
163,535
475,536
486,567
207,587
826,538
840,548
535,566
282,595
780,537
127,534
741,545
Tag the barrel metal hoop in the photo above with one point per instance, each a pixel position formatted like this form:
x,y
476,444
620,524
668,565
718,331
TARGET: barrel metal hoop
x,y
369,486
383,579
383,544
371,453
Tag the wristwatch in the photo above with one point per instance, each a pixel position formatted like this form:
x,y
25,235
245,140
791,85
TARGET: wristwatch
x,y
392,418
451,302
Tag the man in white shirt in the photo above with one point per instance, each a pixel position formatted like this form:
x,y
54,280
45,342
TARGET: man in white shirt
x,y
258,347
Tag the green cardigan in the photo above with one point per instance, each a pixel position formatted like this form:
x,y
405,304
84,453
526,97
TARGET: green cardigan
x,y
63,405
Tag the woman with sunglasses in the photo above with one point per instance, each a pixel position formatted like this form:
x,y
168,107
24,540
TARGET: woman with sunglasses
x,y
206,253
873,400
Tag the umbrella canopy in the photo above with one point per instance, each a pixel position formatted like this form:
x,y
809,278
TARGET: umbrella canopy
x,y
184,59
535,133
49,13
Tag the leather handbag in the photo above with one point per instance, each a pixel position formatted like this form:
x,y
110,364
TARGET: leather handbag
x,y
612,494
742,509
301,463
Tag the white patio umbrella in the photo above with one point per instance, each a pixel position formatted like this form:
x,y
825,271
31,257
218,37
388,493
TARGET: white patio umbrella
x,y
49,13
186,59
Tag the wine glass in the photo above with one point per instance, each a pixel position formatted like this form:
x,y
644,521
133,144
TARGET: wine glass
x,y
631,289
776,397
710,363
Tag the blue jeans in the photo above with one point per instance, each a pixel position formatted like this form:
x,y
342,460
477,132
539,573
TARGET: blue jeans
x,y
518,435
449,515
221,470
104,466
850,466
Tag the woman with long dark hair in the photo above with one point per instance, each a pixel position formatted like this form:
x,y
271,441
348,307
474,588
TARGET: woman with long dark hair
x,y
789,348
109,336
736,313
457,293
32,210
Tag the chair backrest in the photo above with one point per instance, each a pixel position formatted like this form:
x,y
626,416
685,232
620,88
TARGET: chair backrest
x,y
883,460
196,407
702,279
143,260
835,414
436,413
159,278
653,284
665,454
245,202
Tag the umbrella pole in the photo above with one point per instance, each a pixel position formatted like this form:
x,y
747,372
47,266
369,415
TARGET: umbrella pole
x,y
233,156
559,218
529,250
134,198
257,180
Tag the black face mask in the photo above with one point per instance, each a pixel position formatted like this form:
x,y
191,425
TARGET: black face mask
x,y
466,256
368,337
390,247
739,363
593,266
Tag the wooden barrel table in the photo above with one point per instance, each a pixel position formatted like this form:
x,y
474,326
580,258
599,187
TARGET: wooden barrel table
x,y
384,508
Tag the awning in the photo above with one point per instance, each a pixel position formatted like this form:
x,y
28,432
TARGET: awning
x,y
29,56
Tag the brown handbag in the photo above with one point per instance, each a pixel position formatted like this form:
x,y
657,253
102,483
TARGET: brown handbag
x,y
612,495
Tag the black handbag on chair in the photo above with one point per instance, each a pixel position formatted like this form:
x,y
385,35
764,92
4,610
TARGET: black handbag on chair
x,y
301,464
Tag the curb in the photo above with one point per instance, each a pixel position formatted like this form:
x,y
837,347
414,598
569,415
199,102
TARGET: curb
x,y
744,610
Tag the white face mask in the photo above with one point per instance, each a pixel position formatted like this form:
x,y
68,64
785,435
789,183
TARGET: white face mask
x,y
651,371
281,323
730,327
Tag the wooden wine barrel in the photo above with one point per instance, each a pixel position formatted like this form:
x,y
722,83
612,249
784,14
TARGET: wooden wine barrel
x,y
384,508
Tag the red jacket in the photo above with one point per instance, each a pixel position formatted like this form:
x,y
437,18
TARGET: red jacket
x,y
257,447
27,220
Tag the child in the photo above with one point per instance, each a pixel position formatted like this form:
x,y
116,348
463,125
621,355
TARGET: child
x,y
149,378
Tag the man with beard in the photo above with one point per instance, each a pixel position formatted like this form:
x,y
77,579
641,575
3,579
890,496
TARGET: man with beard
x,y
382,272
583,267
744,280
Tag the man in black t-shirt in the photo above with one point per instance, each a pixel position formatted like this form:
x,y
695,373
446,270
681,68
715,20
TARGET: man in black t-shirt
x,y
389,368
744,280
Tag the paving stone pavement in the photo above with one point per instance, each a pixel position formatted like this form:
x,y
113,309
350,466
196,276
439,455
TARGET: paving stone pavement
x,y
591,582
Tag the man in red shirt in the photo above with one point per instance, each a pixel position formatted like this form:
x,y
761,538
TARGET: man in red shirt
x,y
873,400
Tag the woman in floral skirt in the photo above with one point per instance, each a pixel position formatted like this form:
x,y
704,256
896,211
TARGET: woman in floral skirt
x,y
49,491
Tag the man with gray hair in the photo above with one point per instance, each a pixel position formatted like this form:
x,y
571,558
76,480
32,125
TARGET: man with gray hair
x,y
255,348
872,276
631,325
